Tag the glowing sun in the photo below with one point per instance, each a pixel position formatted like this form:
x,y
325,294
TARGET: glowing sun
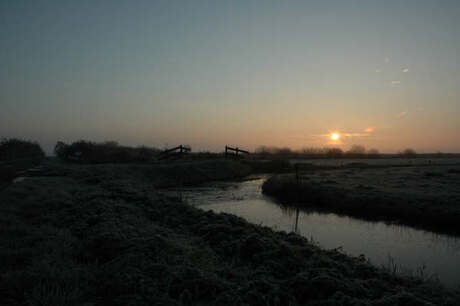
x,y
335,136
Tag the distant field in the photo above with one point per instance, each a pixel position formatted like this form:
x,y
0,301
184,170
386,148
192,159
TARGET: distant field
x,y
380,161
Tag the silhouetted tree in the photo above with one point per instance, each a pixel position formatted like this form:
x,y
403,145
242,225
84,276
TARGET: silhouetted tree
x,y
373,153
284,151
409,153
311,151
60,149
356,151
334,153
13,148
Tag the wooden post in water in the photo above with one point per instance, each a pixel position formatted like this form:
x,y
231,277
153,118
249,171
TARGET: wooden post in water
x,y
297,176
296,219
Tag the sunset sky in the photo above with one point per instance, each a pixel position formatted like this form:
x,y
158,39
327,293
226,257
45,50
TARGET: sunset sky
x,y
383,74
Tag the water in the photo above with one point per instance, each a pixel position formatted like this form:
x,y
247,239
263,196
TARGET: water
x,y
411,250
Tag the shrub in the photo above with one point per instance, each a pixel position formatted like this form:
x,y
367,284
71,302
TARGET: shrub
x,y
373,153
265,152
106,152
14,148
334,153
408,153
356,151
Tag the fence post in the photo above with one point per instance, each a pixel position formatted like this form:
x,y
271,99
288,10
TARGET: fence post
x,y
296,220
297,177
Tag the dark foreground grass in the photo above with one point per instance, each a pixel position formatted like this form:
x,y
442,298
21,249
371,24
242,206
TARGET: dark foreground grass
x,y
103,235
10,169
436,210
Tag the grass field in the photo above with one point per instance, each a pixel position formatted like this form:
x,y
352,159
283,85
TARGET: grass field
x,y
424,196
106,235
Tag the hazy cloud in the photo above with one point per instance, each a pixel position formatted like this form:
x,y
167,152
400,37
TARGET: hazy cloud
x,y
355,134
378,70
344,136
395,83
401,114
387,60
369,130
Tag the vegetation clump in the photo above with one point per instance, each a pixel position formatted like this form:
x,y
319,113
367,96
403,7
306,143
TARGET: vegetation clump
x,y
408,153
355,151
17,155
106,152
13,148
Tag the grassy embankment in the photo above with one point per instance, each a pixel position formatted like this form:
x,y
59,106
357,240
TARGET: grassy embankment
x,y
105,235
424,197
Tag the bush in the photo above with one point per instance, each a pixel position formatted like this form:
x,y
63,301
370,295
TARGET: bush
x,y
106,152
268,152
14,148
334,153
373,153
408,153
356,151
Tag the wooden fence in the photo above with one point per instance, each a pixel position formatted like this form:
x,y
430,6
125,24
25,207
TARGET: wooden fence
x,y
176,152
229,151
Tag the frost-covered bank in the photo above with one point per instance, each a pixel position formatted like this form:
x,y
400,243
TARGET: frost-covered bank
x,y
425,197
105,235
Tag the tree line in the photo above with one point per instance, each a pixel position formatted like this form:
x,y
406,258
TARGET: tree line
x,y
112,152
356,151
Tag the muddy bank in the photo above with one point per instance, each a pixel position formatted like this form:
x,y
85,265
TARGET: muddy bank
x,y
424,197
103,236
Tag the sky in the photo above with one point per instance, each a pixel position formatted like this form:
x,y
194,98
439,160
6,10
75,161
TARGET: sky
x,y
382,74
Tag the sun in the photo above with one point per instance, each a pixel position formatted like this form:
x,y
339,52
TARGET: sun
x,y
335,136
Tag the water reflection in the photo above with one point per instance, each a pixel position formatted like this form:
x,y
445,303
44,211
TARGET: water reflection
x,y
410,249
